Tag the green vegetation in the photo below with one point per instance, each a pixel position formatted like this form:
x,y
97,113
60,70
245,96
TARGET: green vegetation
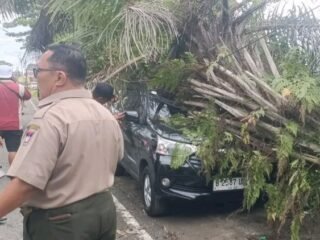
x,y
249,79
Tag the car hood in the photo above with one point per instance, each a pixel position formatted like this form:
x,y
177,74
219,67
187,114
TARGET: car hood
x,y
173,134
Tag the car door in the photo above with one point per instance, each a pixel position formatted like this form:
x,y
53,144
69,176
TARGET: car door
x,y
131,128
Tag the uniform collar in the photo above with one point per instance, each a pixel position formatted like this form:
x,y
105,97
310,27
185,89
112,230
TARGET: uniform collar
x,y
78,93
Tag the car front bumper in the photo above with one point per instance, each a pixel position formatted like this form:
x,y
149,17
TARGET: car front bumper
x,y
188,183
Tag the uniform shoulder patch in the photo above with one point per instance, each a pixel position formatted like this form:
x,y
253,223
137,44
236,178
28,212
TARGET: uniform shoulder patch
x,y
31,130
33,127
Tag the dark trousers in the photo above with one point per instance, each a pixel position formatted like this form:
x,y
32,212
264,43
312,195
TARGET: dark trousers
x,y
12,139
93,218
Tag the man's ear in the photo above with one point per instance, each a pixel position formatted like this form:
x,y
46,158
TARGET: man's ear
x,y
114,99
61,78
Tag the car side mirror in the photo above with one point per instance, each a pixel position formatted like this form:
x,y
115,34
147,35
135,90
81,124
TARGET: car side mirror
x,y
132,116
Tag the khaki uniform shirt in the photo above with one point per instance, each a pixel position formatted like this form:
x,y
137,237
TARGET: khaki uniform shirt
x,y
69,151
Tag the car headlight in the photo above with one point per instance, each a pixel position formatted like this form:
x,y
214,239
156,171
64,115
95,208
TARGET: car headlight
x,y
166,147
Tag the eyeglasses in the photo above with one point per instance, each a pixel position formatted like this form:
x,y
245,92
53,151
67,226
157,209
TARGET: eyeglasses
x,y
36,71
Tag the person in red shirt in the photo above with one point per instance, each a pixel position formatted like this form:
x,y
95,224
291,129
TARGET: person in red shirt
x,y
12,95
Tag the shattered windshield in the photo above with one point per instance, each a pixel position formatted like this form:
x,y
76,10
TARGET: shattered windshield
x,y
161,112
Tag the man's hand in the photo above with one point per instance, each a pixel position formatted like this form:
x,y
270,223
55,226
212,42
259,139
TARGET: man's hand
x,y
14,195
119,116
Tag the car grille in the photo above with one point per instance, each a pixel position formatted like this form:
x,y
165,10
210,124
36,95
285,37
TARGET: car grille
x,y
194,162
200,188
192,182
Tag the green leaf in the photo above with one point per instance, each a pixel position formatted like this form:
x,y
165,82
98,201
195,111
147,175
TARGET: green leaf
x,y
293,128
179,155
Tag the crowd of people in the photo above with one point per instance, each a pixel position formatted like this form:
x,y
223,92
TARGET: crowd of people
x,y
63,164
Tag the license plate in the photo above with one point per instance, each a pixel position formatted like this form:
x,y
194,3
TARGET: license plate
x,y
227,184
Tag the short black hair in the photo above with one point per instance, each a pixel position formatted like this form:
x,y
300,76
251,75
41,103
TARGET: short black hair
x,y
71,59
103,90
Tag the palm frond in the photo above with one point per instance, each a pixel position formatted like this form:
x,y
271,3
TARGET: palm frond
x,y
141,29
291,26
121,28
10,8
7,8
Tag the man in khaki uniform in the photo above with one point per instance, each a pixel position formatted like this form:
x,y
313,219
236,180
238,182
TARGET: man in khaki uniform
x,y
67,159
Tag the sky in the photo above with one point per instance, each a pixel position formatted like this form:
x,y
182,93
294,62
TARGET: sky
x,y
10,50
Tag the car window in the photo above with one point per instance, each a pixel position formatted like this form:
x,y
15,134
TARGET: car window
x,y
162,112
132,101
152,108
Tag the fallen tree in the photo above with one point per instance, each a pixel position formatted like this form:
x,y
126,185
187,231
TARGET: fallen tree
x,y
247,71
253,89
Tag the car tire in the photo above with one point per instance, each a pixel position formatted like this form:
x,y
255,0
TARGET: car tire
x,y
153,204
120,171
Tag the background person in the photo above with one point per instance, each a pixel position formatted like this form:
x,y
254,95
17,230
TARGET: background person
x,y
12,95
103,93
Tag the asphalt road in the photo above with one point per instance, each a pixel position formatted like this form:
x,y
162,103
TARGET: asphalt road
x,y
204,220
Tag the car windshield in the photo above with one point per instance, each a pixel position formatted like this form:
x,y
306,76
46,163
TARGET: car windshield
x,y
161,112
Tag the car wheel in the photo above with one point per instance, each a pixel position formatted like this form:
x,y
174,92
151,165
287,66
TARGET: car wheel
x,y
120,171
153,204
